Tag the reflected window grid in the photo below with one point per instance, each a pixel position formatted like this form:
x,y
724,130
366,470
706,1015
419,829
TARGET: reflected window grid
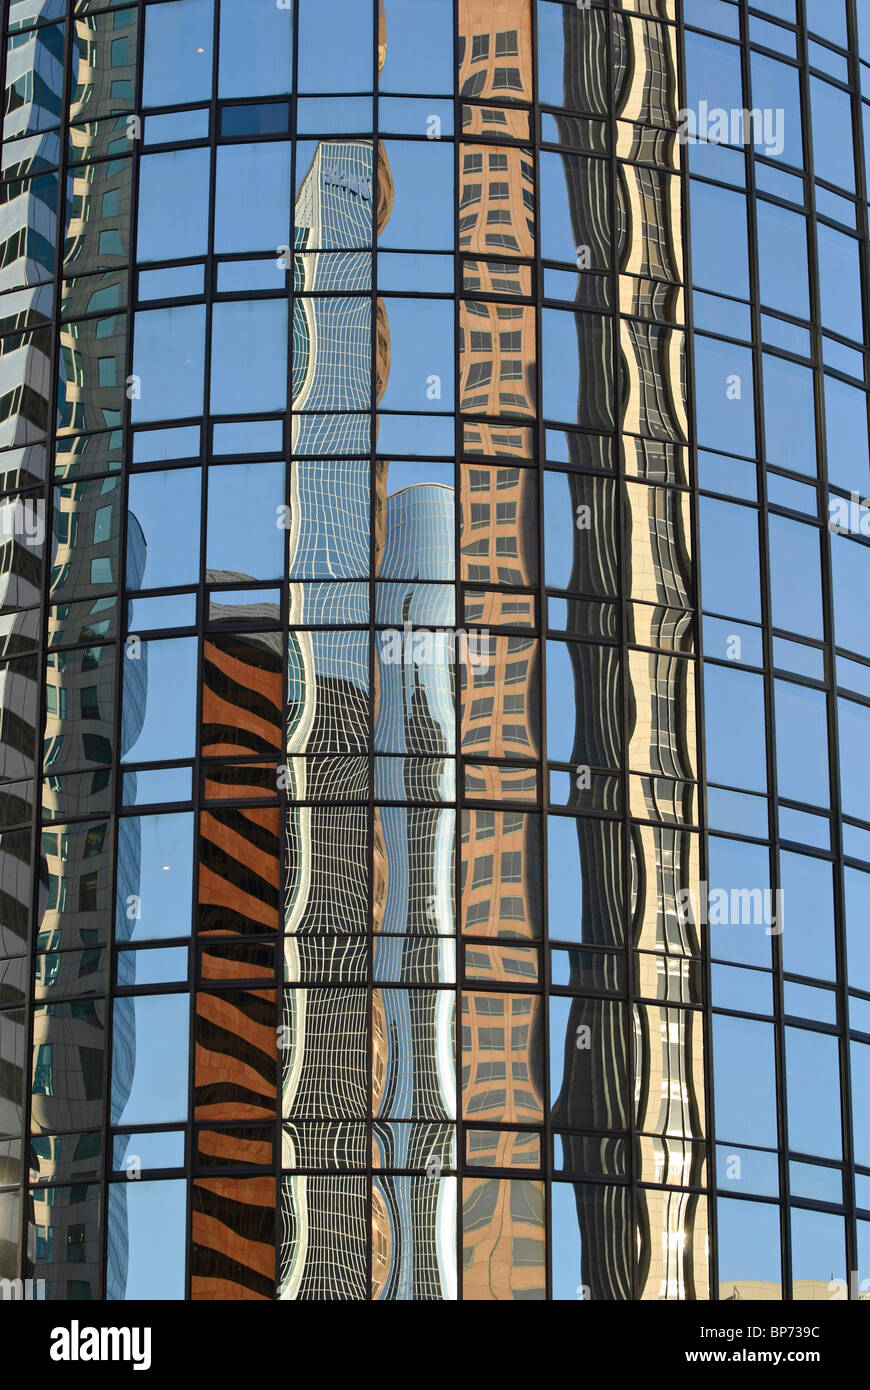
x,y
371,742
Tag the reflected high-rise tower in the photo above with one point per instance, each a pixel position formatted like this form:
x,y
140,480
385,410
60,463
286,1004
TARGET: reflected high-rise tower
x,y
329,1076
651,1042
433,698
75,866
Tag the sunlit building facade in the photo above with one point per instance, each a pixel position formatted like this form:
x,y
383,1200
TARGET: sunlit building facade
x,y
434,705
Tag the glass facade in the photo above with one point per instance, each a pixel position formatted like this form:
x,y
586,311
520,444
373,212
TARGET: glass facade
x,y
434,691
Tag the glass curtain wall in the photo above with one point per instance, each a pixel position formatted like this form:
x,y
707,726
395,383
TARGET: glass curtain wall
x,y
434,836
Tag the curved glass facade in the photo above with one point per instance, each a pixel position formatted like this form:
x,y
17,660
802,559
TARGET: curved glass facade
x,y
435,672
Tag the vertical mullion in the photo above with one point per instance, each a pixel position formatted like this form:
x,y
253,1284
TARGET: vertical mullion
x,y
202,619
767,640
285,804
371,812
459,599
540,599
849,1098
703,823
614,18
112,947
836,819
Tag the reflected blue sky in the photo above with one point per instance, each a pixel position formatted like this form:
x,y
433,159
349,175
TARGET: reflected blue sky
x,y
558,242
155,857
249,357
789,415
152,1218
327,64
243,512
335,115
255,59
757,1172
421,333
782,260
178,52
155,1078
777,86
169,360
832,133
168,688
253,205
419,55
561,703
795,577
802,744
854,723
745,1079
561,366
828,19
728,530
182,177
808,936
248,373
713,73
564,880
857,891
560,530
720,241
813,1093
850,564
749,1243
860,1060
818,1242
846,431
566,1242
840,283
735,728
422,215
167,507
724,384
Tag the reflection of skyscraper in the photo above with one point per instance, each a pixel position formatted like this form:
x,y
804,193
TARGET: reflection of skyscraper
x,y
494,53
71,962
328,1071
606,1042
70,1020
29,230
235,1061
326,1067
451,1031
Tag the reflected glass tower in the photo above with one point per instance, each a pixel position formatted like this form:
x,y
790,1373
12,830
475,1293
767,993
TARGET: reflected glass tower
x,y
434,710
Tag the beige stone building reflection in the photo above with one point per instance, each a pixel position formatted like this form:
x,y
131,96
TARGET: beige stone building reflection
x,y
659,1042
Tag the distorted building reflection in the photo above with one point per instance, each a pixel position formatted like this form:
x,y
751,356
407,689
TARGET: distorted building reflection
x,y
416,583
609,1042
